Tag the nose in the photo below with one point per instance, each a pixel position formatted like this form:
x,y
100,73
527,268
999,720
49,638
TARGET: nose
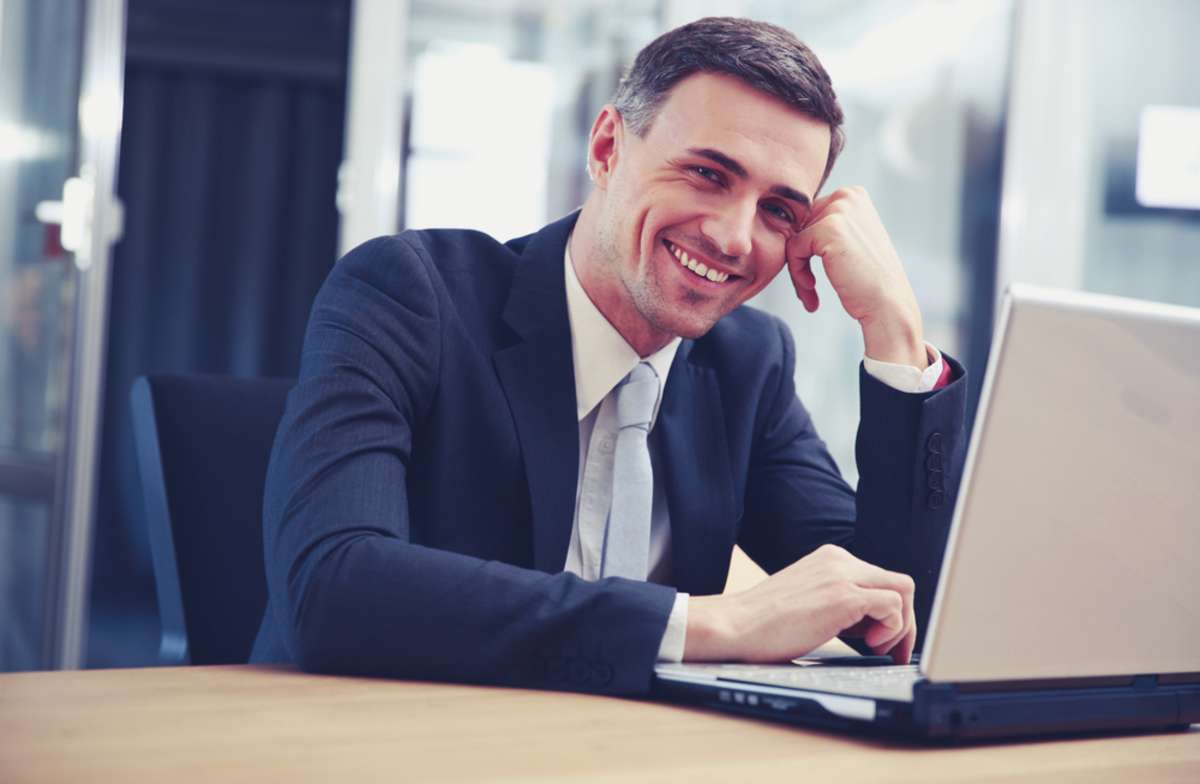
x,y
731,228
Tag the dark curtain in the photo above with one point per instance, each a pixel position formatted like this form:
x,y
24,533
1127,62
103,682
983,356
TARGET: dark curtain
x,y
228,172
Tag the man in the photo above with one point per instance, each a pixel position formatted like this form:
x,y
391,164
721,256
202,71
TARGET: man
x,y
463,487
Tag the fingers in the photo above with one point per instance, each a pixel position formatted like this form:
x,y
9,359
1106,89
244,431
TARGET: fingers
x,y
810,241
822,204
904,587
873,576
899,648
902,653
805,283
858,260
829,592
895,635
886,609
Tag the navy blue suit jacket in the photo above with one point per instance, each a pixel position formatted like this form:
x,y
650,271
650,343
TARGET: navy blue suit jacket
x,y
421,489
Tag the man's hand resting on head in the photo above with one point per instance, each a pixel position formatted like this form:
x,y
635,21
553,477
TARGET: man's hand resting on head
x,y
826,593
863,268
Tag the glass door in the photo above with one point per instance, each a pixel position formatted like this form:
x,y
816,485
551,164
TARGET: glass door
x,y
60,116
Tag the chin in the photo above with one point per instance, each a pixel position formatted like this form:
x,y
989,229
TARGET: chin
x,y
677,318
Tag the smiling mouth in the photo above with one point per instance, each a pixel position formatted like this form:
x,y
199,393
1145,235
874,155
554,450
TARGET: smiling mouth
x,y
696,267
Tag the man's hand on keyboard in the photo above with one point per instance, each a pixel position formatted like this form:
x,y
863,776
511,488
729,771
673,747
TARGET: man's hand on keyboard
x,y
825,594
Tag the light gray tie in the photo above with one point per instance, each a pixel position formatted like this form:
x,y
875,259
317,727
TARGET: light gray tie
x,y
627,542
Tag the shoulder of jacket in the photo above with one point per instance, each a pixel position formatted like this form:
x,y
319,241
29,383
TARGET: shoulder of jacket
x,y
746,334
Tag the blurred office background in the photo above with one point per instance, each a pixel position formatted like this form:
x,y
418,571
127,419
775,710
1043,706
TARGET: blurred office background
x,y
177,177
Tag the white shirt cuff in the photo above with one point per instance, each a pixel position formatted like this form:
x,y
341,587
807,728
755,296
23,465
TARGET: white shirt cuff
x,y
906,378
671,647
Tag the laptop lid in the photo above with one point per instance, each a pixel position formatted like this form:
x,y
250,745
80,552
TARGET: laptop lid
x,y
1074,549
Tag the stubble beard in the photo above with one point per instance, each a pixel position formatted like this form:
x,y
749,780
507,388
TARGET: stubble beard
x,y
644,292
650,301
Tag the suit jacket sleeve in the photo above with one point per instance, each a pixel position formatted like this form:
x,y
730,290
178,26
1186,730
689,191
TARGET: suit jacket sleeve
x,y
350,592
910,451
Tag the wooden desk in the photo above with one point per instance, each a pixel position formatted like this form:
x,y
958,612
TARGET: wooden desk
x,y
273,725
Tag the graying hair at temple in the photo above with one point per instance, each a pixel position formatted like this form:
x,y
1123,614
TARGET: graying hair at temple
x,y
764,56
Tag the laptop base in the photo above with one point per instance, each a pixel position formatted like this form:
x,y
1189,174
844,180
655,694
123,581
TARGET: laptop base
x,y
944,713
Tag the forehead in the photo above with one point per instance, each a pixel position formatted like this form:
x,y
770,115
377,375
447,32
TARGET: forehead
x,y
771,139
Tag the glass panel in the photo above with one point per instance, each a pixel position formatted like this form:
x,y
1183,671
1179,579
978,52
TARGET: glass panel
x,y
922,86
24,546
39,51
1137,56
447,148
561,61
40,46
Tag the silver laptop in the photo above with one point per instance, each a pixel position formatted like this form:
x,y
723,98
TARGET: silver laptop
x,y
1067,600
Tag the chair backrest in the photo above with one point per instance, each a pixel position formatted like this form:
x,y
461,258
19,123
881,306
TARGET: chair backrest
x,y
203,443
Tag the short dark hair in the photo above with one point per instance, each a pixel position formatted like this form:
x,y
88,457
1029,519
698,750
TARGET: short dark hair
x,y
765,57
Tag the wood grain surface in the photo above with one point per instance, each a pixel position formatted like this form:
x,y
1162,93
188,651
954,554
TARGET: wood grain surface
x,y
245,723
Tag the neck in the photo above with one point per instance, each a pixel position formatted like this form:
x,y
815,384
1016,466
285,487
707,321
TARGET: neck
x,y
596,264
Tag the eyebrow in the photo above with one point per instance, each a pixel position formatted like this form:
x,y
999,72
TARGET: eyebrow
x,y
716,156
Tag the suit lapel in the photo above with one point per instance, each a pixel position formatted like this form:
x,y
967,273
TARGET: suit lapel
x,y
538,378
698,476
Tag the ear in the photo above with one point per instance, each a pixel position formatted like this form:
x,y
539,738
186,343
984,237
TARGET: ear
x,y
604,145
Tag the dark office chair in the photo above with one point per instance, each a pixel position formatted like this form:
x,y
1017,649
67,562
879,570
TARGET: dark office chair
x,y
203,443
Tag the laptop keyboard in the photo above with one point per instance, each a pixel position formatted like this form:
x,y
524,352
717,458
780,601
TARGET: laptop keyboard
x,y
894,682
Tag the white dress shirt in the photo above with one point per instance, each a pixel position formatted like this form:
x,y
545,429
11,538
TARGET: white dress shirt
x,y
601,359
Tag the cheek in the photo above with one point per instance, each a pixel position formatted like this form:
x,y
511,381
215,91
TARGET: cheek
x,y
676,198
771,249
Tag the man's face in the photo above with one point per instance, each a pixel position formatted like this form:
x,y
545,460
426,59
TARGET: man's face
x,y
723,178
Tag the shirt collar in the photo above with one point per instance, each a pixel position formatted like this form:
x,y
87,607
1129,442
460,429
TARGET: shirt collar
x,y
600,355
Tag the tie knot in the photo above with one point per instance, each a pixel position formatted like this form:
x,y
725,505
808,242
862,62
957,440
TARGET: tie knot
x,y
636,397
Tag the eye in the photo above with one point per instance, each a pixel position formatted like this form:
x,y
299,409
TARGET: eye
x,y
708,174
783,213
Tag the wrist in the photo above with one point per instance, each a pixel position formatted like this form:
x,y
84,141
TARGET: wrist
x,y
896,338
711,635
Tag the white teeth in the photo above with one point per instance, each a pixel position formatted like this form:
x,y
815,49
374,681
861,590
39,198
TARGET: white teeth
x,y
700,269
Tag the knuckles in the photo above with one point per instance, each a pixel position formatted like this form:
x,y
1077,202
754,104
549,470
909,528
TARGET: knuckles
x,y
836,222
831,552
845,605
853,192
